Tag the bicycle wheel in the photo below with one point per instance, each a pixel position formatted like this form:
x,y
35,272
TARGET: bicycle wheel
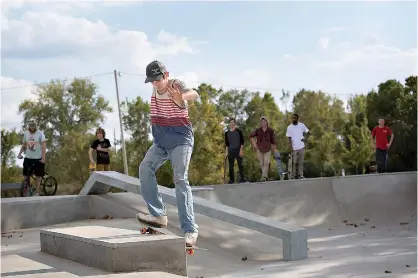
x,y
49,186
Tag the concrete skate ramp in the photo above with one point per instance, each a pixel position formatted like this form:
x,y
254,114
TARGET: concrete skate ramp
x,y
384,198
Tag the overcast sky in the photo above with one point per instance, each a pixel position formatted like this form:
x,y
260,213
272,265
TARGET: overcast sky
x,y
343,48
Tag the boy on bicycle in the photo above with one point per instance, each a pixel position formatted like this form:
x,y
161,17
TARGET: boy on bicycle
x,y
34,146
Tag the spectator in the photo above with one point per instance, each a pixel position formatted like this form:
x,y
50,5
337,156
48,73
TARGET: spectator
x,y
234,150
296,133
34,146
102,147
380,142
263,141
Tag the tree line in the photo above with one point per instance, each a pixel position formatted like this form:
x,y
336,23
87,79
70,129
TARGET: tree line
x,y
69,112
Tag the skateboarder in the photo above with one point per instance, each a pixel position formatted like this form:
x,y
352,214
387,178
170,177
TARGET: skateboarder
x,y
173,140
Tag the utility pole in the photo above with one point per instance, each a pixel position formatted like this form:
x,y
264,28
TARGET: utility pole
x,y
114,137
125,160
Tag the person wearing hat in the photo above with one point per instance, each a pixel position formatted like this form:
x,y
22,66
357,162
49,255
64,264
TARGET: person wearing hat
x,y
263,141
173,140
34,146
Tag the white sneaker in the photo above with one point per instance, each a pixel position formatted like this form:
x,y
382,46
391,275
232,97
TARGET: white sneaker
x,y
159,221
191,238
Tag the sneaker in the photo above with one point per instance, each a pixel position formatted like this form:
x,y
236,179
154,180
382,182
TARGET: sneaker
x,y
231,182
35,195
263,179
159,221
191,238
301,177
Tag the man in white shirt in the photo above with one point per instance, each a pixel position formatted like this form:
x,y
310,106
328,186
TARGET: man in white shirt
x,y
296,134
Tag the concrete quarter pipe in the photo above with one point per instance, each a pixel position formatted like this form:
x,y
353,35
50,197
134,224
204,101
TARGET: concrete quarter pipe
x,y
362,226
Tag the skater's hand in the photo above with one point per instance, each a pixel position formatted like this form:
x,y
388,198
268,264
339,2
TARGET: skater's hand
x,y
254,148
19,156
175,93
241,153
388,145
99,148
43,160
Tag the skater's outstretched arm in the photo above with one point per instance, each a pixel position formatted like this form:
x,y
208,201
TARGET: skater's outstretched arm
x,y
186,93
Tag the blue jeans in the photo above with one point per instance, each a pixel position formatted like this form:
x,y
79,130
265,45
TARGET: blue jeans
x,y
180,159
381,160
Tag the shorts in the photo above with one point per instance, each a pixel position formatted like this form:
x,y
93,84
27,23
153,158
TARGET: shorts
x,y
31,166
102,167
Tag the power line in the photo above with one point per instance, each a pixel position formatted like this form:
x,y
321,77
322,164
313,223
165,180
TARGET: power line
x,y
252,88
212,84
58,79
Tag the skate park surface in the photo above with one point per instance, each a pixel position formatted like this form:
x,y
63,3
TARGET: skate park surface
x,y
358,226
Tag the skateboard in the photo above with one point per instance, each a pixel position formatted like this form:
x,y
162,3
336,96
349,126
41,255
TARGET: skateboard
x,y
226,158
279,165
190,250
290,166
92,167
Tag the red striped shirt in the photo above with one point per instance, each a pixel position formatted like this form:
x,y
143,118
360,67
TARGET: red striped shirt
x,y
165,112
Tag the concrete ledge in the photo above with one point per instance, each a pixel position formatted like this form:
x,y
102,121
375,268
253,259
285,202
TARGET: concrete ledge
x,y
116,250
10,186
24,213
294,238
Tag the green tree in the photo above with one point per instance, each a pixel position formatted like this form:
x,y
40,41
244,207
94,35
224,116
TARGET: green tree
x,y
137,121
357,151
9,140
325,117
396,103
206,166
232,104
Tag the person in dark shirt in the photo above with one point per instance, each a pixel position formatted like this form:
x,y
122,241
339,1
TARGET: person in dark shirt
x,y
102,147
234,150
264,142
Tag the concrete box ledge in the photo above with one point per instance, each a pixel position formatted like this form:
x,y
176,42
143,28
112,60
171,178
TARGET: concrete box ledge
x,y
295,239
116,250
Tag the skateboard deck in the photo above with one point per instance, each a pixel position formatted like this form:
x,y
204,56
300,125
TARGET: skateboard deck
x,y
92,167
190,250
226,158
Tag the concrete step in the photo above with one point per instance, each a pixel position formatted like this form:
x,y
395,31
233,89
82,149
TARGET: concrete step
x,y
116,250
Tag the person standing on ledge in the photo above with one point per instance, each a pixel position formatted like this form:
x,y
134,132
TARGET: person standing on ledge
x,y
234,150
379,140
173,140
263,141
296,132
103,147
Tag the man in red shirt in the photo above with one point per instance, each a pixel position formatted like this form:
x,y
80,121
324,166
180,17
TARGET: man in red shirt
x,y
380,141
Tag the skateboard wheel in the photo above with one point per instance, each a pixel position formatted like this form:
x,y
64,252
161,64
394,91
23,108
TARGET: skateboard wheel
x,y
190,251
143,231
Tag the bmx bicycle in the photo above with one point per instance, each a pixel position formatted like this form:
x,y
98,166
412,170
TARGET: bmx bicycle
x,y
49,184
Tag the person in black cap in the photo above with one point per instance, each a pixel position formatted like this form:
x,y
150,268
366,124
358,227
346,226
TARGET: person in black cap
x,y
173,140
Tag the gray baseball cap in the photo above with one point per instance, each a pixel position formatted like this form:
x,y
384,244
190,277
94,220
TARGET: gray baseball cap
x,y
155,71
